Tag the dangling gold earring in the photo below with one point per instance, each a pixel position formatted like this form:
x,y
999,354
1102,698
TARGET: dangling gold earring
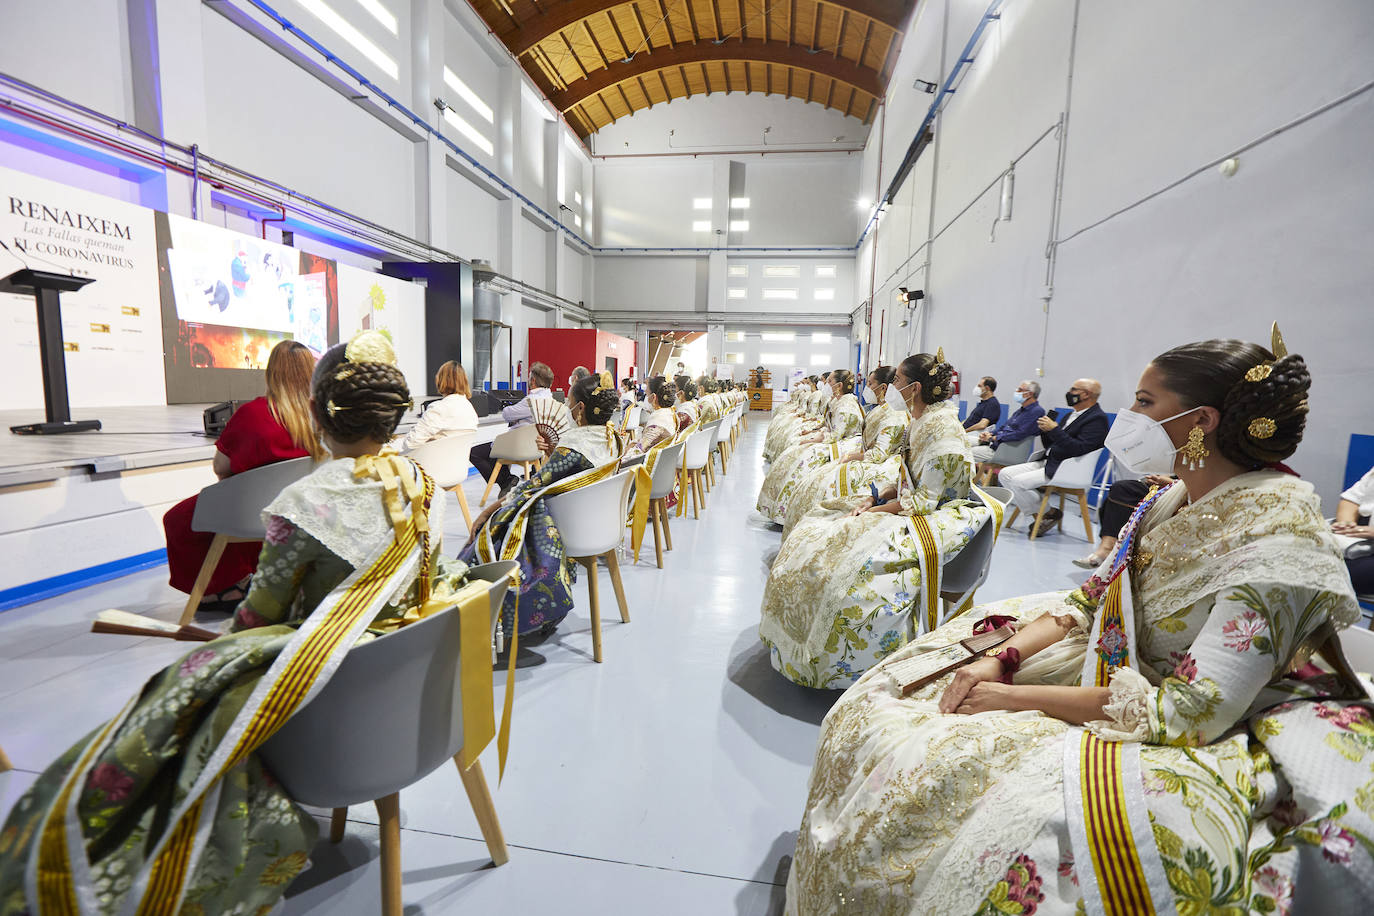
x,y
1194,452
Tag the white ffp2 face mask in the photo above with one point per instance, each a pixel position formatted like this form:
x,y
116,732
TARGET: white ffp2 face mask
x,y
1141,444
893,397
869,396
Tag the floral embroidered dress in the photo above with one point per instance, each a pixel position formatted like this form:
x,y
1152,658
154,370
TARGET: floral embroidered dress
x,y
845,592
1250,784
688,412
784,429
884,435
661,425
844,425
257,839
523,530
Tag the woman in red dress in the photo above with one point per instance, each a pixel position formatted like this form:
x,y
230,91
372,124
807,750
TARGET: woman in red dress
x,y
263,431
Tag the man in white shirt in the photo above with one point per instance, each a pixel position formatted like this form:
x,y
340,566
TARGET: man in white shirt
x,y
1352,527
517,414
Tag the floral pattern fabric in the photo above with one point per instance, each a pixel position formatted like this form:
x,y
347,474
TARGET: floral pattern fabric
x,y
1259,790
845,420
842,592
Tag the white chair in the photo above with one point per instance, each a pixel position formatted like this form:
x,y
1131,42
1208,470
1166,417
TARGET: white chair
x,y
665,475
1008,454
354,743
631,418
231,510
708,473
514,446
965,574
591,522
720,443
1073,478
694,458
1357,644
446,460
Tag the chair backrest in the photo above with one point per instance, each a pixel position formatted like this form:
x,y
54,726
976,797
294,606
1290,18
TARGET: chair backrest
x,y
517,444
391,714
632,420
234,505
698,449
1076,472
665,470
1009,453
722,431
591,519
446,458
969,568
1357,644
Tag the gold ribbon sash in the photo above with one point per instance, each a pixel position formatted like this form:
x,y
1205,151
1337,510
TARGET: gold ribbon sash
x,y
644,479
683,437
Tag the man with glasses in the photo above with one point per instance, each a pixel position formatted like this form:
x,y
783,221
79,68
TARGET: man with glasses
x,y
1084,430
1019,427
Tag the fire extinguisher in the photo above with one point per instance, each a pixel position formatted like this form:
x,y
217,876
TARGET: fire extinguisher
x,y
954,382
519,373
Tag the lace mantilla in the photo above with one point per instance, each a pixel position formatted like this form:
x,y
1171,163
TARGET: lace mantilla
x,y
1127,711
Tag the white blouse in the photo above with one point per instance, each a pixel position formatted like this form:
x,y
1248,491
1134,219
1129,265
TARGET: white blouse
x,y
450,414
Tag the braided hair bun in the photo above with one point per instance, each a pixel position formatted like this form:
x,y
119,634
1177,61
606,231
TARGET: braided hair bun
x,y
688,388
358,400
1262,400
884,375
664,390
845,379
933,374
598,398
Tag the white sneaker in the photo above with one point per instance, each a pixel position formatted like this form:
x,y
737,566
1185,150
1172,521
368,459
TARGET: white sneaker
x,y
1088,562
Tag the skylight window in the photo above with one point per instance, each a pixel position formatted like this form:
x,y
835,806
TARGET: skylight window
x,y
701,225
735,292
473,100
467,130
825,270
346,30
782,270
737,270
380,13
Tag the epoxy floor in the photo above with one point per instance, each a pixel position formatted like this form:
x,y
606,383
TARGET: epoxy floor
x,y
669,780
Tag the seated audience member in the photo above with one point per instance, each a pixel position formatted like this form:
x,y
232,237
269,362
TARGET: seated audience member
x,y
188,719
1083,431
1019,426
1217,723
520,527
452,413
578,374
263,431
517,414
1122,498
1354,533
662,423
629,395
985,412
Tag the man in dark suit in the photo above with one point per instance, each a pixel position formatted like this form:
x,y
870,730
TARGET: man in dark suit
x,y
1084,430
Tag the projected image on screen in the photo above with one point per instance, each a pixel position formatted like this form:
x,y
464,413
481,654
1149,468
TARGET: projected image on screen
x,y
236,297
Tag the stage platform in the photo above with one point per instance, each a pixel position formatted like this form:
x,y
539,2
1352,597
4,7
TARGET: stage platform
x,y
81,508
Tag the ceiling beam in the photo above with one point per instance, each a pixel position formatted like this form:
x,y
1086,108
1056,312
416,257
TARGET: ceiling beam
x,y
538,26
774,52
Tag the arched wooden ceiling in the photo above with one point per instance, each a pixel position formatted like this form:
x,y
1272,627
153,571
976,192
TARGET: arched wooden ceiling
x,y
602,60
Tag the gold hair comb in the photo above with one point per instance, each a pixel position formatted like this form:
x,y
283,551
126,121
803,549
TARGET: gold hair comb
x,y
1262,371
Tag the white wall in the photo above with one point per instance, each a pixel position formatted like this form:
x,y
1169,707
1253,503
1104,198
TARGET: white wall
x,y
1149,255
746,121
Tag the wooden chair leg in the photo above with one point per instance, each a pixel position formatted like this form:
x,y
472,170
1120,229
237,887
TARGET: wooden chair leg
x,y
1040,514
1015,514
613,563
495,472
1060,520
658,532
5,765
699,500
337,822
663,516
1083,508
463,504
593,594
389,814
207,569
479,796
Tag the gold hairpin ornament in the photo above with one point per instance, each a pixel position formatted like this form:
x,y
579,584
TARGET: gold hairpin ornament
x,y
939,359
1265,369
1276,342
1262,428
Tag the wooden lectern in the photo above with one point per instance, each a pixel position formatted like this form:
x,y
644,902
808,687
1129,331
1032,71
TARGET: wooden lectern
x,y
46,287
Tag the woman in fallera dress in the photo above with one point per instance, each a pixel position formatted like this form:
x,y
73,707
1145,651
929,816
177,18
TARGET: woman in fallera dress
x,y
807,417
662,422
688,410
843,423
858,578
1161,739
873,456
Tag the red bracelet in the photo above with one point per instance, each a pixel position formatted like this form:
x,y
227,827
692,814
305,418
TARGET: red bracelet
x,y
1010,660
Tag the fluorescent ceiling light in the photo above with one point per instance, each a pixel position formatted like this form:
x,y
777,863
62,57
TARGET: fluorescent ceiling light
x,y
467,95
739,203
469,131
701,203
865,204
701,225
782,270
825,270
739,225
345,30
735,292
738,270
380,13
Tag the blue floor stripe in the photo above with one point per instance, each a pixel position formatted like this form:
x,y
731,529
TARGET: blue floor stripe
x,y
30,592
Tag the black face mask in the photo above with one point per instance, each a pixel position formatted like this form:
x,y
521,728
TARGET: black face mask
x,y
1073,398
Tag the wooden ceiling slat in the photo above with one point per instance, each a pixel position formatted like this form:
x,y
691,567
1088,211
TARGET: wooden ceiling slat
x,y
715,17
605,61
706,78
620,87
692,19
619,37
850,104
667,21
685,84
830,94
868,115
863,48
816,27
644,43
839,30
791,19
